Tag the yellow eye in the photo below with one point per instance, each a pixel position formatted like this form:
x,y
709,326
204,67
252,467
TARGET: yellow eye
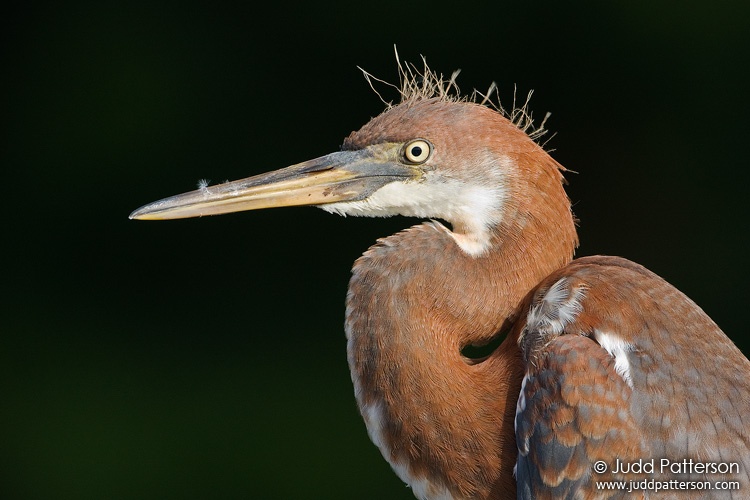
x,y
417,151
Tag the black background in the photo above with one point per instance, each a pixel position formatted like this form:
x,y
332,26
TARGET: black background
x,y
206,358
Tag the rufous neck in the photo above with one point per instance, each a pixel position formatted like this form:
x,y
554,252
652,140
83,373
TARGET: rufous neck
x,y
444,422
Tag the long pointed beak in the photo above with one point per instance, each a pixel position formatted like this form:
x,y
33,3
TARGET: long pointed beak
x,y
337,177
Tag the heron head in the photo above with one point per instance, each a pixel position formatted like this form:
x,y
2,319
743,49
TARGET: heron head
x,y
438,158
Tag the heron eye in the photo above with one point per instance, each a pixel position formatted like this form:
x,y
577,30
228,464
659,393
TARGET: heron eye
x,y
417,151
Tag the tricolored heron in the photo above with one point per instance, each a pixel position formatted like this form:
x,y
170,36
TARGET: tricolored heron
x,y
604,361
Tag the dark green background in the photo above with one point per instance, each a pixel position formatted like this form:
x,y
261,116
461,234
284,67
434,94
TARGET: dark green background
x,y
206,358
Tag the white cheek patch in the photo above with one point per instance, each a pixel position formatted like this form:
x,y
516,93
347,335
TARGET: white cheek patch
x,y
472,208
410,198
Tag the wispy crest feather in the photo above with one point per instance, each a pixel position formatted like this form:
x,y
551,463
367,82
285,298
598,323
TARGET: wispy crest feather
x,y
417,84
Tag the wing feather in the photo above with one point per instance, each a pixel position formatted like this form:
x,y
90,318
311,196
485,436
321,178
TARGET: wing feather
x,y
621,367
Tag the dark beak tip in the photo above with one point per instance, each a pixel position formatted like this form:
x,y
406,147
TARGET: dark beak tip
x,y
135,214
141,212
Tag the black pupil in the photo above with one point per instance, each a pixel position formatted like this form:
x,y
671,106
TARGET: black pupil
x,y
416,151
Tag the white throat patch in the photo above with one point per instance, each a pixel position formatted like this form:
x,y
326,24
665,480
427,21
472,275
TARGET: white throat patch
x,y
473,208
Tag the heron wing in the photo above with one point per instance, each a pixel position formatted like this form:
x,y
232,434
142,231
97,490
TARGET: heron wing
x,y
569,419
621,367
